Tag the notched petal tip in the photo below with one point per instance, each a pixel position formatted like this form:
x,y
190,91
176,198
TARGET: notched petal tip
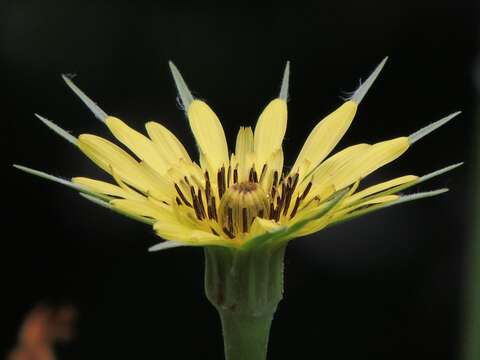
x,y
360,93
94,108
57,129
185,95
285,83
413,138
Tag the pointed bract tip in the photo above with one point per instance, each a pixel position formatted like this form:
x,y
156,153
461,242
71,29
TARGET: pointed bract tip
x,y
285,82
49,177
165,245
429,128
418,196
94,108
57,129
360,93
185,95
439,172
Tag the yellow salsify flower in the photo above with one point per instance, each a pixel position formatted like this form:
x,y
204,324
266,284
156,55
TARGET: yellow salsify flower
x,y
246,197
242,207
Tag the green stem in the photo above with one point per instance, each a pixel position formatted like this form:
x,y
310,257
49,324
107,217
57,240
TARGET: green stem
x,y
245,286
245,337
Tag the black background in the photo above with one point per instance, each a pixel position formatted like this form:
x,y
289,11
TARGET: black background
x,y
386,286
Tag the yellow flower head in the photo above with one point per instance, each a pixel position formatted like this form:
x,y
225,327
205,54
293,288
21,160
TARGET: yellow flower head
x,y
245,197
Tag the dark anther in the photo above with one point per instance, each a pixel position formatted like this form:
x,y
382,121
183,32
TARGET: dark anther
x,y
307,189
221,182
229,173
200,202
295,181
235,176
214,209
261,213
263,172
228,232
295,207
184,199
196,205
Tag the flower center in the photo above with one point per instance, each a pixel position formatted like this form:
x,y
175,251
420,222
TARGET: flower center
x,y
239,206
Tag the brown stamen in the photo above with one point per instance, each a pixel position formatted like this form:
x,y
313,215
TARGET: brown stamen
x,y
295,207
235,176
184,199
221,182
307,189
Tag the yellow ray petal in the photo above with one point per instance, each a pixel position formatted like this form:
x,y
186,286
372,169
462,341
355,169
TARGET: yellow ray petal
x,y
176,231
160,187
209,134
143,208
103,187
124,186
243,149
166,143
370,160
139,144
325,136
377,188
324,175
106,155
275,162
270,130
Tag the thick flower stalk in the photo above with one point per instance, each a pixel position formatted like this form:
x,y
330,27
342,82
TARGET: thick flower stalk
x,y
243,206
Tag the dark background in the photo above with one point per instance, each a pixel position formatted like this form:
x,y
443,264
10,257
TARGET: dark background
x,y
386,286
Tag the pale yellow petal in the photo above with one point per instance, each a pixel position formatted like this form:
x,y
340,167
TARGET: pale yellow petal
x,y
209,134
324,175
370,160
178,232
326,135
275,162
166,143
103,187
270,130
160,187
377,188
243,151
143,208
107,155
125,187
139,144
